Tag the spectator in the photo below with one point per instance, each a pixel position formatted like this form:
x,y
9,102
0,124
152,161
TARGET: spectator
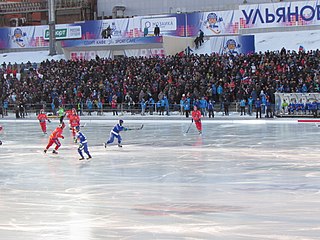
x,y
21,109
242,107
258,108
269,110
166,105
114,106
89,106
143,107
183,98
109,32
211,108
100,107
187,106
69,82
145,31
188,50
203,104
250,105
5,106
156,30
151,105
199,39
80,108
285,107
226,104
1,110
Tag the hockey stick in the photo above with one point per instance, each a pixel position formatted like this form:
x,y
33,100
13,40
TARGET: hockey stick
x,y
84,125
188,128
137,128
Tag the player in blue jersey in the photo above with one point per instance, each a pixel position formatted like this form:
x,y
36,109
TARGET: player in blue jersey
x,y
83,143
115,132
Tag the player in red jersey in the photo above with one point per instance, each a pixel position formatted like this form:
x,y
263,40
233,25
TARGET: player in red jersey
x,y
43,118
74,121
68,114
54,138
196,117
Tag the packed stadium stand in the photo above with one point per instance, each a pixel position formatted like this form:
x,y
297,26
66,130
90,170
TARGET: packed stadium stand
x,y
233,73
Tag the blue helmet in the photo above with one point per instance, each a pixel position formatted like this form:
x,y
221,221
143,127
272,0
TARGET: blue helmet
x,y
212,16
77,128
120,122
231,42
17,31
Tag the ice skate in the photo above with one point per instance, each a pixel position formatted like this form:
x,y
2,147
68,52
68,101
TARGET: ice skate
x,y
81,158
54,152
89,157
119,145
45,151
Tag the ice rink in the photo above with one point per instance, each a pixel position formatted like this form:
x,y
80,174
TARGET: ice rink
x,y
242,179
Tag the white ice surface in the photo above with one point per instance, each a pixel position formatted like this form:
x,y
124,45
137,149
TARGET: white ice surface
x,y
243,179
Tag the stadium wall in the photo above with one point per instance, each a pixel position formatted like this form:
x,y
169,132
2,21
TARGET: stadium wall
x,y
247,19
153,7
173,45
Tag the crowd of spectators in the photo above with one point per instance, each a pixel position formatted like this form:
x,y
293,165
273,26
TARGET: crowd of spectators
x,y
100,82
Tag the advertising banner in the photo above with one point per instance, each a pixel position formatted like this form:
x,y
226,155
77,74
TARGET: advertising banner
x,y
87,55
110,42
213,23
64,32
283,14
23,37
35,36
171,24
233,44
160,52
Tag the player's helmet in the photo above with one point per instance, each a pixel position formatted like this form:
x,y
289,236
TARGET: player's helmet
x,y
74,111
77,128
41,111
212,16
120,122
17,31
61,125
231,42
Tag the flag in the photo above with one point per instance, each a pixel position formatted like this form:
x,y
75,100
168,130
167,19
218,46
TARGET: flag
x,y
301,48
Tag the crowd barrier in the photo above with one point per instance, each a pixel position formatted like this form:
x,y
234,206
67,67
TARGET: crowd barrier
x,y
106,108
